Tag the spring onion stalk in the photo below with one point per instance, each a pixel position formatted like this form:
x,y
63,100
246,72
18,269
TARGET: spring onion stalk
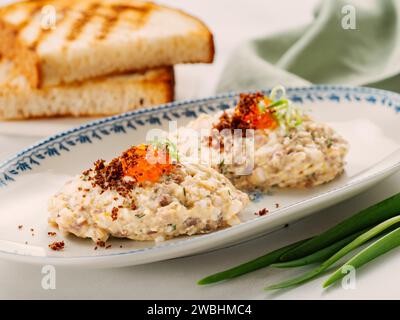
x,y
288,115
258,263
376,249
338,255
171,147
320,255
366,218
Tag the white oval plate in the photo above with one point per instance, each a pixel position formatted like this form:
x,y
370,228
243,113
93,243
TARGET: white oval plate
x,y
368,118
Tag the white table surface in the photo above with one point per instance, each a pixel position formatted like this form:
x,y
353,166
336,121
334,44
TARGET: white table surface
x,y
231,22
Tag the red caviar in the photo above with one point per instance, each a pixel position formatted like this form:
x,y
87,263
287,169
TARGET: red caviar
x,y
252,112
258,115
146,163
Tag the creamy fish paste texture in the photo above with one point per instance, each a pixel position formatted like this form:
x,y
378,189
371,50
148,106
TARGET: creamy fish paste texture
x,y
132,198
287,151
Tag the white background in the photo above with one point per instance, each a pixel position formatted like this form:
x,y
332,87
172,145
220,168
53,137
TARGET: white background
x,y
231,22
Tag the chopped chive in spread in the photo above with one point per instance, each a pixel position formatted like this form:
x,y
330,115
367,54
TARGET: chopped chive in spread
x,y
221,167
172,226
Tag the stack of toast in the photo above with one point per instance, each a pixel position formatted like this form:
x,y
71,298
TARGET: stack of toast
x,y
93,57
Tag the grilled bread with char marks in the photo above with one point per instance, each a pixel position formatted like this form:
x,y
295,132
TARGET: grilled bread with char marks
x,y
93,38
96,97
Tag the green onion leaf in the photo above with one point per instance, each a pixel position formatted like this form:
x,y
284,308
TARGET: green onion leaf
x,y
258,263
261,106
320,255
169,145
366,218
378,248
286,113
338,255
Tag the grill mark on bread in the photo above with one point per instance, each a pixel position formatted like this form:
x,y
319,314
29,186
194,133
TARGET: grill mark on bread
x,y
39,38
32,12
43,33
11,48
109,22
111,19
84,17
38,68
80,23
124,7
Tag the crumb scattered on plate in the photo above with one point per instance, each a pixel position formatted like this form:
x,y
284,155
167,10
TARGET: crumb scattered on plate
x,y
262,212
57,245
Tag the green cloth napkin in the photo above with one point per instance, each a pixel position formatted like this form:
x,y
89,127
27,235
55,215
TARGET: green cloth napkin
x,y
324,52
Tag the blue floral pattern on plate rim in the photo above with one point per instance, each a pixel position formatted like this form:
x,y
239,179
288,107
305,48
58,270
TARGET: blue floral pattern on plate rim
x,y
94,131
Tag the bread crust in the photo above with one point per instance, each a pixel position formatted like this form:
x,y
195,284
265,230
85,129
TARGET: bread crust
x,y
26,59
197,45
202,26
144,89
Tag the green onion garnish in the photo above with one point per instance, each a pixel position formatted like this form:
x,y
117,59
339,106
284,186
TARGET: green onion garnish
x,y
286,113
381,220
168,145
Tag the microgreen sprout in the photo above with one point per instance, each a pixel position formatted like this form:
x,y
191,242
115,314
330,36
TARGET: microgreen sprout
x,y
168,145
261,106
287,114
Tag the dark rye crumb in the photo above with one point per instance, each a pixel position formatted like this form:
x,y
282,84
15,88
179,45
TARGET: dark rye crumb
x,y
20,227
262,212
101,244
237,120
86,172
110,177
109,246
57,245
114,214
51,234
277,205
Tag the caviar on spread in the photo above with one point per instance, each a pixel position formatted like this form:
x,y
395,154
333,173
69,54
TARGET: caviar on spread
x,y
143,163
258,111
286,148
150,193
146,194
146,163
250,113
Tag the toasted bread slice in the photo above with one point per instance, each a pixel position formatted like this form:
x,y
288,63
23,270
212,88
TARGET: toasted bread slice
x,y
95,97
62,41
